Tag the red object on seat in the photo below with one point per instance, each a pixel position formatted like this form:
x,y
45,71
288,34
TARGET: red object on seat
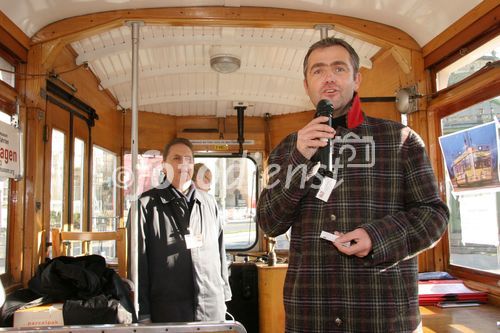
x,y
434,291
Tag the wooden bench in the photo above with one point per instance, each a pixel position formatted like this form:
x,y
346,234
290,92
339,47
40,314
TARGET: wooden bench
x,y
60,239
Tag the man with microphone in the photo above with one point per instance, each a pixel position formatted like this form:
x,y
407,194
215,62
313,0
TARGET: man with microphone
x,y
359,214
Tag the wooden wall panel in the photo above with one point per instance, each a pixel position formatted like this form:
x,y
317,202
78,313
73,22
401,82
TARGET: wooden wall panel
x,y
385,110
251,124
281,126
108,130
203,122
155,130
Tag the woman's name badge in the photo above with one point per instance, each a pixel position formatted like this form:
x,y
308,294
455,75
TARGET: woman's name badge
x,y
193,241
326,188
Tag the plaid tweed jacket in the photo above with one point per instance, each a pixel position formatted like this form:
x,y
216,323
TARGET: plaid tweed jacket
x,y
385,184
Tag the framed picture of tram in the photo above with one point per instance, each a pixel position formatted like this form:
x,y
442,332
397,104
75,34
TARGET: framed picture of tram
x,y
471,157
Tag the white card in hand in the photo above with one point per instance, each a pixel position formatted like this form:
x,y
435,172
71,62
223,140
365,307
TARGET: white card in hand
x,y
332,237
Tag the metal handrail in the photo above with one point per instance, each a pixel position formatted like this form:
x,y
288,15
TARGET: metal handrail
x,y
191,327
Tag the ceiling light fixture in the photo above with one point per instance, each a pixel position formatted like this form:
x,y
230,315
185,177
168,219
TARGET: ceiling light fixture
x,y
225,59
225,63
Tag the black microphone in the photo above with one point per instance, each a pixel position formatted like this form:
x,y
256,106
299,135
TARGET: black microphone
x,y
325,108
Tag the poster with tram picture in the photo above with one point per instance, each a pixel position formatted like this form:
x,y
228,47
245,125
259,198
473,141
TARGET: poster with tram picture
x,y
471,157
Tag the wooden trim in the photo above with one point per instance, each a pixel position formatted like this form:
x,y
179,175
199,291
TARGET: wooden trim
x,y
456,28
14,30
480,277
34,162
10,45
75,28
473,45
463,35
12,39
469,92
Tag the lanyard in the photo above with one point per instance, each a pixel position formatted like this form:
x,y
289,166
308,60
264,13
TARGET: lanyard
x,y
178,204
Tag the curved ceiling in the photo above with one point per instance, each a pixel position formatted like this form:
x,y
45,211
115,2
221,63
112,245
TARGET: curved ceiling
x,y
175,74
421,19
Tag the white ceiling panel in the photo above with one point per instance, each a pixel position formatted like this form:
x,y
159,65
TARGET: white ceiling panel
x,y
175,74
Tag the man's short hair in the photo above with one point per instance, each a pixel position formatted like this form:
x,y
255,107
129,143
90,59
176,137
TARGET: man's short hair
x,y
176,141
332,41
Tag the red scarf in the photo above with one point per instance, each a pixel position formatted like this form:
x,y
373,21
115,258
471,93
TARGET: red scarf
x,y
354,115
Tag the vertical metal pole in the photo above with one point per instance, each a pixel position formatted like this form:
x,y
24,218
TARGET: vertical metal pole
x,y
323,29
241,140
135,25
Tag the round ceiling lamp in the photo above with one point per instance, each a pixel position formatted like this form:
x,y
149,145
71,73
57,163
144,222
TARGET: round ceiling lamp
x,y
225,63
224,59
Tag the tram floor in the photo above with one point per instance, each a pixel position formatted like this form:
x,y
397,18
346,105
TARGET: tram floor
x,y
476,319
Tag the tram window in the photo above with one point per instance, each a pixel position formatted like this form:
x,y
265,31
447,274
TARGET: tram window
x,y
149,175
4,211
234,186
104,194
78,183
473,192
468,64
4,117
57,179
7,75
4,225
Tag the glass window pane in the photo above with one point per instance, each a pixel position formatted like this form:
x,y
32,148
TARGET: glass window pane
x,y
468,64
4,223
103,199
473,192
4,211
57,180
234,188
149,175
7,75
78,178
4,117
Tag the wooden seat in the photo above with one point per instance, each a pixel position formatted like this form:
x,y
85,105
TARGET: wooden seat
x,y
60,238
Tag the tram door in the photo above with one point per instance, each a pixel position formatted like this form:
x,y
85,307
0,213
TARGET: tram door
x,y
67,168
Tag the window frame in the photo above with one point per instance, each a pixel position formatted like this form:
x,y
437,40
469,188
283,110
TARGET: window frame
x,y
12,277
117,191
481,86
257,191
6,277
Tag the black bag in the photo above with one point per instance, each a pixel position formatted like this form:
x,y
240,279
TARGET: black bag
x,y
92,293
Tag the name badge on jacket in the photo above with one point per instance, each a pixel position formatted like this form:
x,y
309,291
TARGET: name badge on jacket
x,y
193,241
